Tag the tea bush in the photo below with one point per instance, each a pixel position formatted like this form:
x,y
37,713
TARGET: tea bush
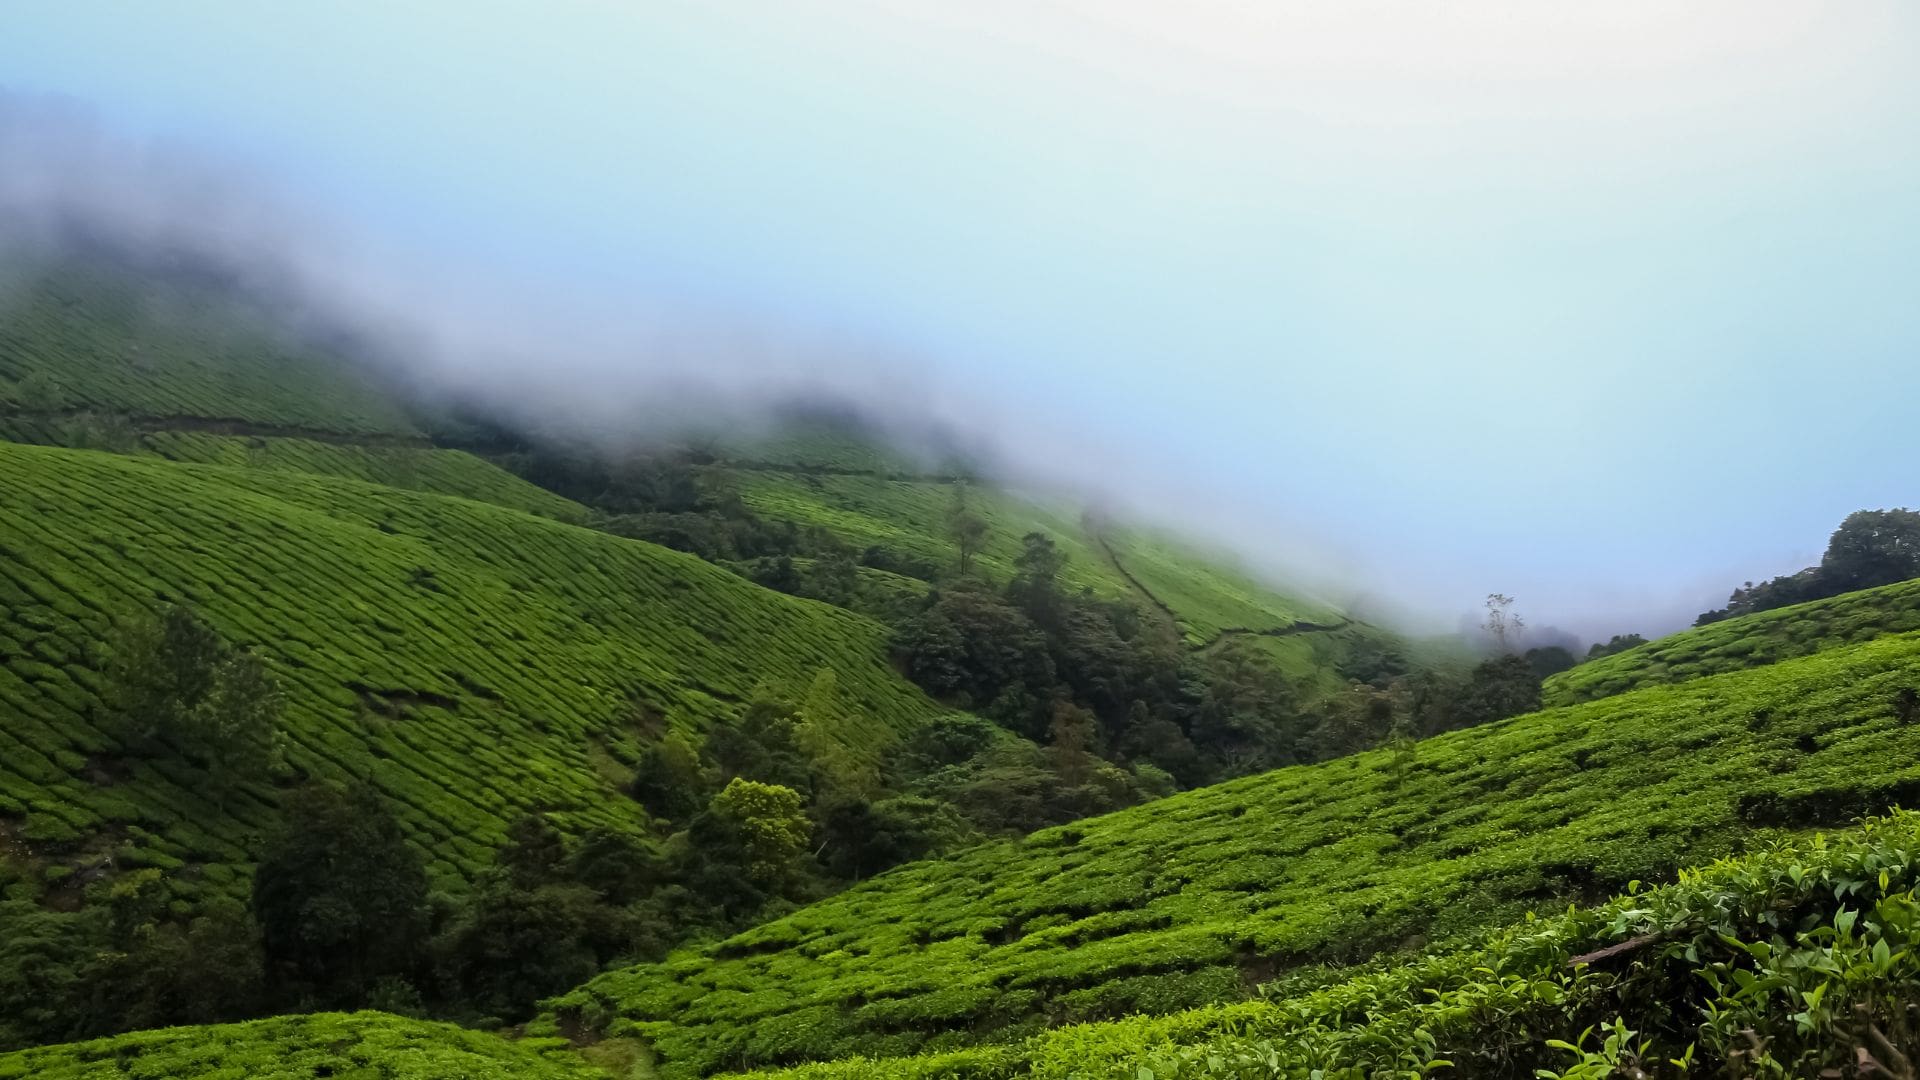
x,y
1797,960
364,1046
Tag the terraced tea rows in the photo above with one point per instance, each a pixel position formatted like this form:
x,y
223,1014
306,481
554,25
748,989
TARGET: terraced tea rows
x,y
1793,944
1749,641
477,661
910,515
434,470
361,1046
1191,899
89,338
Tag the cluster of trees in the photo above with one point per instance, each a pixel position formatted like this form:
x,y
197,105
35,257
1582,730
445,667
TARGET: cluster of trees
x,y
1124,712
1871,547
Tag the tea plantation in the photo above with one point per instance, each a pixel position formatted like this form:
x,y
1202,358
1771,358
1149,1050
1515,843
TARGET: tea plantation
x,y
1748,641
86,337
477,662
1195,898
430,469
361,1046
910,514
1796,960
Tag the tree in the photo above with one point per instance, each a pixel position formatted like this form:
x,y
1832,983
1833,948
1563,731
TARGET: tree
x,y
1549,660
967,529
173,679
755,834
1035,588
1871,547
1618,643
339,894
668,780
1503,624
1498,688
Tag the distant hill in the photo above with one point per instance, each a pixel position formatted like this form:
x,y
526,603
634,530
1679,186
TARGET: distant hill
x,y
1767,637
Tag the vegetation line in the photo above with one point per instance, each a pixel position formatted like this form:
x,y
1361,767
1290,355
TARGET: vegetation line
x,y
146,424
1121,568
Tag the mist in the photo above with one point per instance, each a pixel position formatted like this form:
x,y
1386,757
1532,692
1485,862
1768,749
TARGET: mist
x,y
1603,310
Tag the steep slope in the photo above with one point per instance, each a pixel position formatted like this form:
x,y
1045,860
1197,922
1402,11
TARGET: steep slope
x,y
477,662
1193,898
364,1046
1797,960
1767,637
167,349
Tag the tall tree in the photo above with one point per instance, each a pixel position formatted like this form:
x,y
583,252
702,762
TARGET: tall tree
x,y
1872,547
339,894
967,529
172,679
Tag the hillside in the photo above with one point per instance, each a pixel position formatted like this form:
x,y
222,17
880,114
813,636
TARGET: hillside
x,y
1196,897
364,1046
1800,958
477,662
1766,637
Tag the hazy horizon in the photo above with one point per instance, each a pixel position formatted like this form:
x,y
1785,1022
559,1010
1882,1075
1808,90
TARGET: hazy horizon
x,y
1607,310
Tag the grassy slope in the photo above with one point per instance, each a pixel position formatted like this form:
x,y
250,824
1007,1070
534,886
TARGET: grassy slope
x,y
1191,898
1749,641
106,340
363,1046
1490,1006
910,514
429,469
477,661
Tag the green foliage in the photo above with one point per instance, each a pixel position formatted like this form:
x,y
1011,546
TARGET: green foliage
x,y
472,661
339,894
1748,641
1870,548
766,826
364,1046
434,470
80,338
1176,903
1798,960
172,678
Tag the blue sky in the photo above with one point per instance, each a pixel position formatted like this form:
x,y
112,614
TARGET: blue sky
x,y
1607,309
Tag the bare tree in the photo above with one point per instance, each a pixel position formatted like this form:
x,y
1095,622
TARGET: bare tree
x,y
1503,624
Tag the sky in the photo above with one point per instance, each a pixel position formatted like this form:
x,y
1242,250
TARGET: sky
x,y
1608,307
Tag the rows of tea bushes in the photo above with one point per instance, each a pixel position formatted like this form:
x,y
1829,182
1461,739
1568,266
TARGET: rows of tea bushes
x,y
911,515
478,662
1748,641
1195,898
83,336
361,1046
1794,960
430,469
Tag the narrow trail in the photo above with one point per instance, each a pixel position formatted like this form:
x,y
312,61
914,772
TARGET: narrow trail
x,y
1294,629
1121,569
148,425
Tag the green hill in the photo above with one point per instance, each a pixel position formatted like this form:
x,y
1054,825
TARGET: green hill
x,y
1196,897
1798,960
478,662
1767,637
167,350
362,1046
